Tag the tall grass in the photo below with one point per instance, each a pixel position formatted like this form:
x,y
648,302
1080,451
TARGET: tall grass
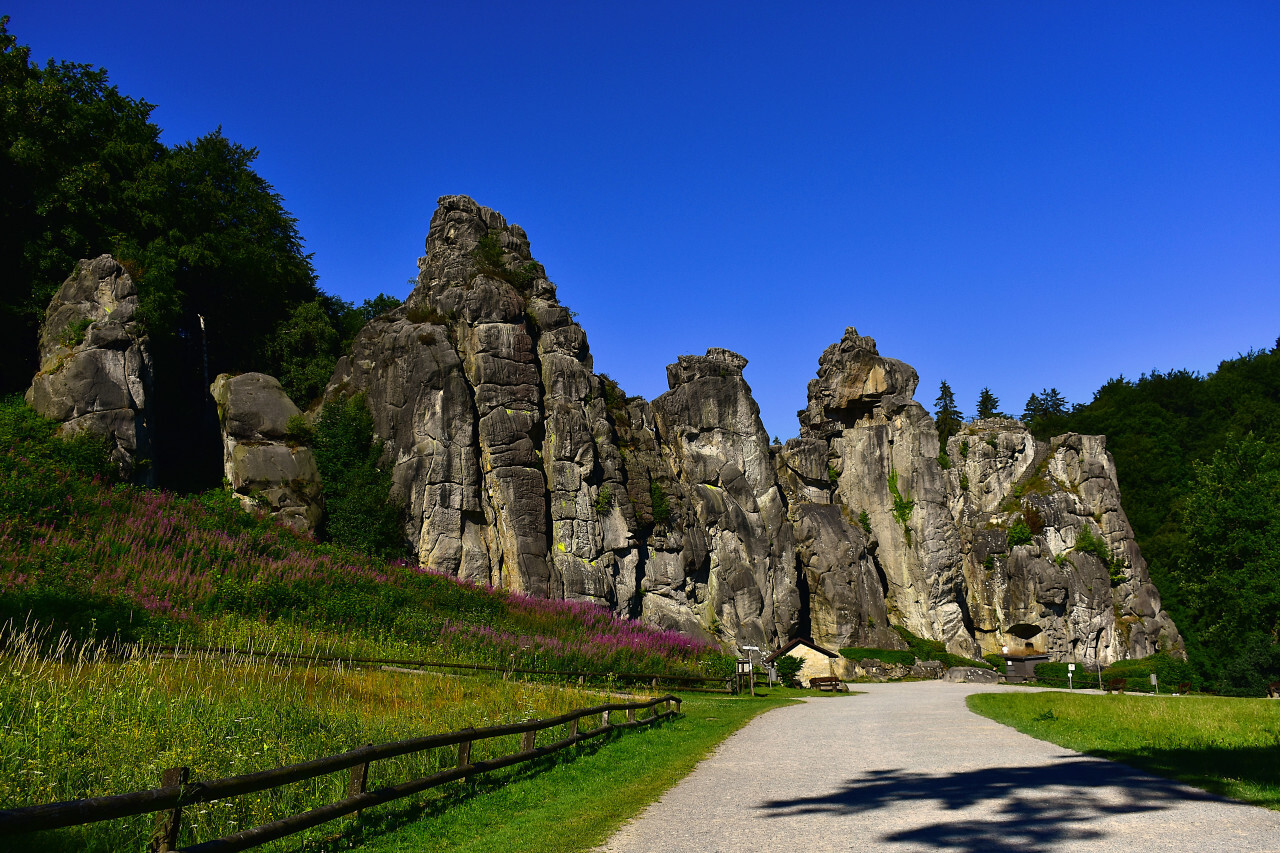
x,y
76,722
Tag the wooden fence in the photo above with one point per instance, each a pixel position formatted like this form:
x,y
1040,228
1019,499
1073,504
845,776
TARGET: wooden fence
x,y
177,791
685,682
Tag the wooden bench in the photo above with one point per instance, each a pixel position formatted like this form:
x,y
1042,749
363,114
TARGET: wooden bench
x,y
1115,685
1184,687
1273,690
827,682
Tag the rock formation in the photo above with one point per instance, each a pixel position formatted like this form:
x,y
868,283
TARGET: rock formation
x,y
95,368
522,468
266,465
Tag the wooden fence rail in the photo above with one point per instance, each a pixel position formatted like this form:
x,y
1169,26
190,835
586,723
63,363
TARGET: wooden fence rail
x,y
425,664
177,792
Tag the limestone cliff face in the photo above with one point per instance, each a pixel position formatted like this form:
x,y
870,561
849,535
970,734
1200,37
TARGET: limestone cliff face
x,y
883,449
522,468
95,366
1017,543
1052,592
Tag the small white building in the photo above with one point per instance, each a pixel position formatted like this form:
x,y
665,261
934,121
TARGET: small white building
x,y
818,662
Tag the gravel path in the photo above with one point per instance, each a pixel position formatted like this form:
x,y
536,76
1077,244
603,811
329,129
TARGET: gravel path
x,y
908,767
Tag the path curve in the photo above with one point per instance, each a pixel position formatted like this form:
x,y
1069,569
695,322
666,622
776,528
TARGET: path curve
x,y
907,767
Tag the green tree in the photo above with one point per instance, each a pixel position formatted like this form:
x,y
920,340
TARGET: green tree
x,y
304,352
988,405
215,241
1045,413
70,144
946,415
306,346
359,511
1231,564
788,667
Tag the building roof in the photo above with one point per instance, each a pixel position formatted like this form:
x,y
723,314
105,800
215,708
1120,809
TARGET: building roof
x,y
799,642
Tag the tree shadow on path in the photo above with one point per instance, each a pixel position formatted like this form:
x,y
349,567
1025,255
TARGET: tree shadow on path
x,y
1023,808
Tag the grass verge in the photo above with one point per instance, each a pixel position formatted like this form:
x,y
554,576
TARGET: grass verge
x,y
565,806
83,725
1225,746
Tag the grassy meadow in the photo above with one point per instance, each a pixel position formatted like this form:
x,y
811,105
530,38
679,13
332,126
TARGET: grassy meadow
x,y
94,574
76,723
1223,745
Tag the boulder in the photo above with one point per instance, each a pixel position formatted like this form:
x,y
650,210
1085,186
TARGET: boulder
x,y
971,675
95,365
268,468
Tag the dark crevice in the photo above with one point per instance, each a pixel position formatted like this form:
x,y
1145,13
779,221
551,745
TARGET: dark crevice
x,y
804,621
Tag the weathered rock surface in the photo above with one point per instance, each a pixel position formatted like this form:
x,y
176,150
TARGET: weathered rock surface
x,y
95,368
1046,594
971,675
266,468
522,468
883,450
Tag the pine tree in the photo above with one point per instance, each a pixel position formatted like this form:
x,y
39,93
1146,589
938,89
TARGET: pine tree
x,y
988,405
947,416
1032,411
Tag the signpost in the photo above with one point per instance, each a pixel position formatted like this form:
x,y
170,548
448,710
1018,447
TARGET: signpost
x,y
1071,670
751,673
1155,684
744,672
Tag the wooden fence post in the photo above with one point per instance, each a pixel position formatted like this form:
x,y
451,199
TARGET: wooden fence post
x,y
573,727
677,701
358,781
169,823
464,753
604,719
631,715
526,743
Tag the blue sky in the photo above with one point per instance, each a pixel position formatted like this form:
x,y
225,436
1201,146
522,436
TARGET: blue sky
x,y
1018,195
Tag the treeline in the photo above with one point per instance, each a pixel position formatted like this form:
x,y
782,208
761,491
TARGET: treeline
x,y
1198,459
201,233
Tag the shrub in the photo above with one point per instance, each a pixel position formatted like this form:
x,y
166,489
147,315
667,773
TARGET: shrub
x,y
1019,533
425,312
935,650
996,661
889,656
73,335
964,448
1034,520
359,512
298,431
661,509
604,500
490,259
865,521
1088,543
788,668
902,507
944,460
